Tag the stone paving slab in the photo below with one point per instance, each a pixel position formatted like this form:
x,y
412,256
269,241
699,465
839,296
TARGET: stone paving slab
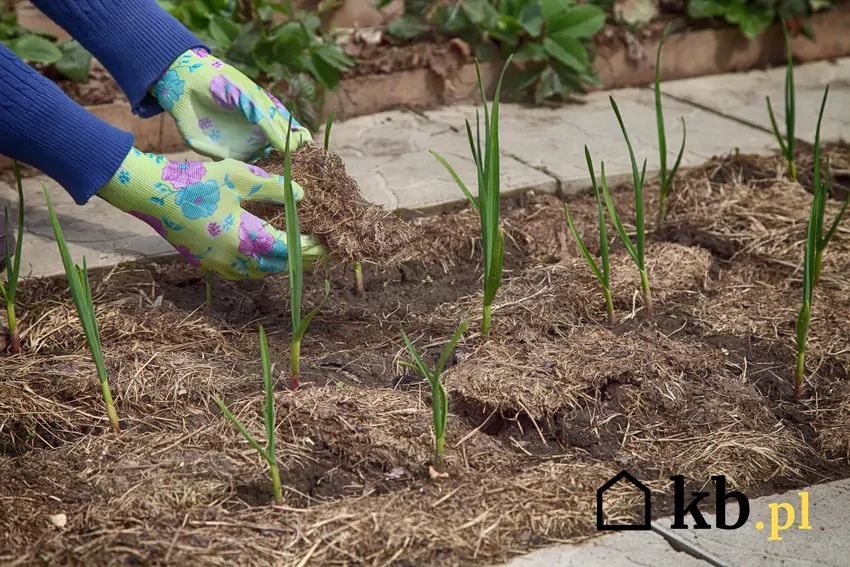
x,y
624,549
554,138
388,154
742,95
826,544
98,231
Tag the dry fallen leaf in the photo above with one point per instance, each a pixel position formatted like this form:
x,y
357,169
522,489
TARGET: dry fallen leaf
x,y
58,520
435,475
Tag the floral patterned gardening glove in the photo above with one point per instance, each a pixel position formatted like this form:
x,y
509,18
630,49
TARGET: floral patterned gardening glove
x,y
195,207
220,112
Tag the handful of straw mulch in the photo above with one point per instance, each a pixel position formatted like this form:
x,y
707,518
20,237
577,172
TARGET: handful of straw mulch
x,y
333,209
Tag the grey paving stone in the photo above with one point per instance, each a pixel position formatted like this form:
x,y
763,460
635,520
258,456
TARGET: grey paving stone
x,y
742,95
388,154
625,549
826,544
554,138
98,231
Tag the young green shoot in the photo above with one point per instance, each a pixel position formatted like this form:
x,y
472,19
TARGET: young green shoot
x,y
604,274
638,250
816,243
439,399
78,282
666,176
328,126
488,201
208,278
821,191
13,266
358,278
786,145
296,270
268,455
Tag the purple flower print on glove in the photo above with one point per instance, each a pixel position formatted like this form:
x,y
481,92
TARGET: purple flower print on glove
x,y
254,241
186,253
259,172
214,230
200,52
205,123
181,174
224,92
152,221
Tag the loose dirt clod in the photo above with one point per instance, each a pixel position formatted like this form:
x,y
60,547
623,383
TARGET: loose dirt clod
x,y
333,209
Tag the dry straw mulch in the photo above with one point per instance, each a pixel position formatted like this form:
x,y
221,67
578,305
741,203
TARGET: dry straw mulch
x,y
333,209
541,415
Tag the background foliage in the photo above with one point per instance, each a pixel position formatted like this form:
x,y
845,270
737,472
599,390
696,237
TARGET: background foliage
x,y
68,57
753,16
551,40
275,45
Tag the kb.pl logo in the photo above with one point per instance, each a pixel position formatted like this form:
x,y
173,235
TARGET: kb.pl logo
x,y
682,507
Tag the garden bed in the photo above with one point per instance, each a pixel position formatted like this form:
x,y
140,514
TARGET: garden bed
x,y
545,412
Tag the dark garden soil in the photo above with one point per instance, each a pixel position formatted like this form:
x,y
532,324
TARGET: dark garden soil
x,y
101,88
541,415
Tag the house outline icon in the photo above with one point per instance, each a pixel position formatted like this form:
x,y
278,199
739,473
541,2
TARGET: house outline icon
x,y
647,504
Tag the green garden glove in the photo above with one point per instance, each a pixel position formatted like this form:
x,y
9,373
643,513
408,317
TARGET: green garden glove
x,y
195,207
220,112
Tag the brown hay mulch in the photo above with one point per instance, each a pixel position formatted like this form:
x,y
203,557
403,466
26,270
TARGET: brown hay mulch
x,y
333,209
541,415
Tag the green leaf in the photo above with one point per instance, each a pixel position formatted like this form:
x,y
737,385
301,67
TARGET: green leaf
x,y
407,27
530,52
457,179
753,24
416,358
76,61
13,268
35,49
578,21
302,327
334,57
220,35
327,76
615,218
268,386
487,51
698,9
247,39
568,51
328,125
293,237
447,351
481,13
531,19
242,430
584,251
548,86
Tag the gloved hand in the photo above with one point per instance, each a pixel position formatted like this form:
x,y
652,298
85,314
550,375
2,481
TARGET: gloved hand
x,y
222,113
195,207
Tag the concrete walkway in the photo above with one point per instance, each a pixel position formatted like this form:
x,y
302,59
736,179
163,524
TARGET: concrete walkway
x,y
543,151
825,544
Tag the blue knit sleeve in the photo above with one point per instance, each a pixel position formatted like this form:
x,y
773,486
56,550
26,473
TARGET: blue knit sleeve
x,y
41,127
136,40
